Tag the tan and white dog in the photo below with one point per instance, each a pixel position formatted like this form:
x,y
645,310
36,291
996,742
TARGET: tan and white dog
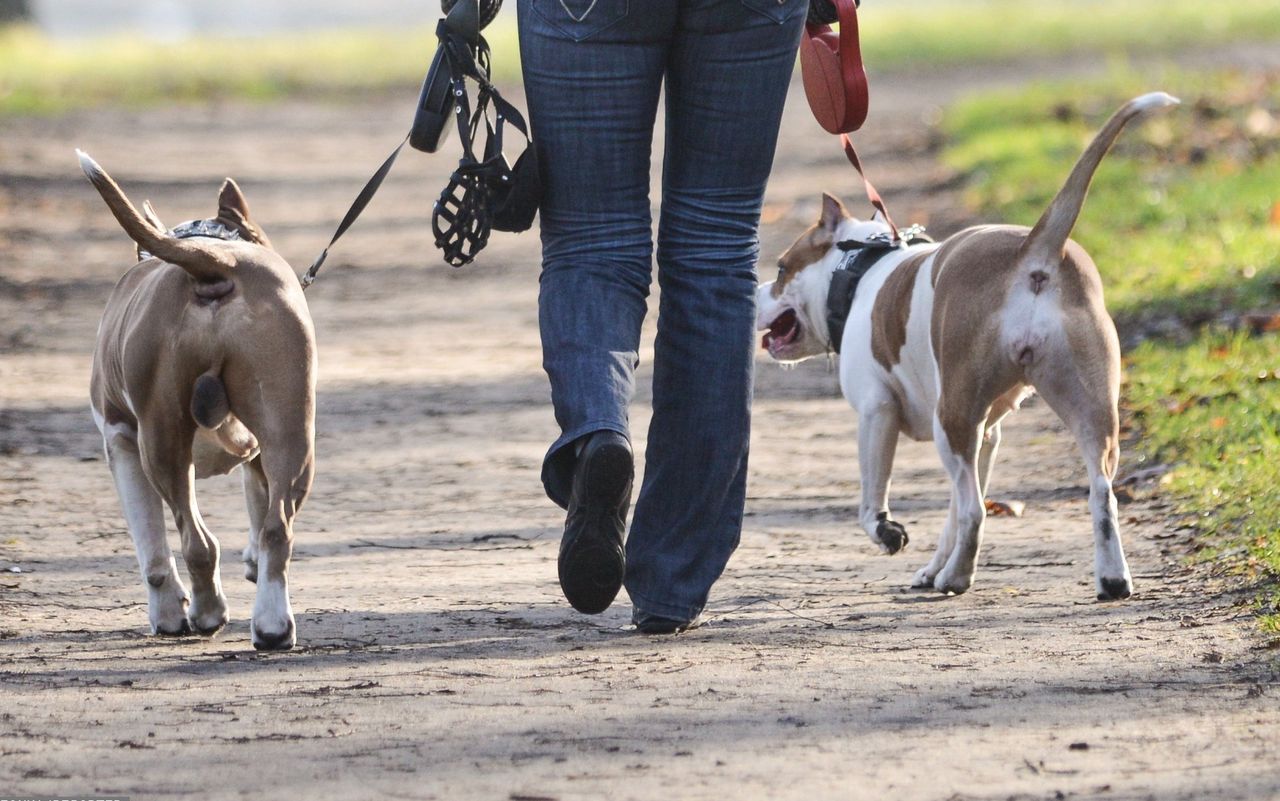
x,y
943,340
205,361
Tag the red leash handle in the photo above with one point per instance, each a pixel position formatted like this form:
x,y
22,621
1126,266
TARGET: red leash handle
x,y
835,82
872,194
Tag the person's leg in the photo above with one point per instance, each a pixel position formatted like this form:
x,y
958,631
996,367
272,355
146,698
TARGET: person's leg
x,y
592,75
728,73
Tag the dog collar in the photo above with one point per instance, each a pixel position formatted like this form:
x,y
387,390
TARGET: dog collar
x,y
859,257
211,229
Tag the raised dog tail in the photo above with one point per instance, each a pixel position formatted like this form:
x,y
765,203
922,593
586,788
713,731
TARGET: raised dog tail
x,y
205,263
1048,238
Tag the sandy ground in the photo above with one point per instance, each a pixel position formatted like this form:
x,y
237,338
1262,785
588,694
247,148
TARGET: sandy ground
x,y
436,658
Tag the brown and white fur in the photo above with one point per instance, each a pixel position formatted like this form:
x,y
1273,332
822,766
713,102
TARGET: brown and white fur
x,y
205,361
946,339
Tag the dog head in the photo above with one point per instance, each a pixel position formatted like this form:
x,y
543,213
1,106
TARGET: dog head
x,y
792,310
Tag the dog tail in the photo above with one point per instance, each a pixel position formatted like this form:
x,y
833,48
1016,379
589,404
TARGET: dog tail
x,y
206,264
1048,238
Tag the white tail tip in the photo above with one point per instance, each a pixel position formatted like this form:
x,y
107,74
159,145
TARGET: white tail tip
x,y
87,164
1153,100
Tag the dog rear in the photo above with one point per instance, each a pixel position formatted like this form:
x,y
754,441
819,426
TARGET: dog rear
x,y
206,361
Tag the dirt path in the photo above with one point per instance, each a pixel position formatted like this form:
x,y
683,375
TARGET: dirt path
x,y
436,658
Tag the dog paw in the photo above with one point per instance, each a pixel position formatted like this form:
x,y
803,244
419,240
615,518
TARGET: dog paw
x,y
922,580
250,558
167,604
208,618
1114,589
281,640
890,534
949,583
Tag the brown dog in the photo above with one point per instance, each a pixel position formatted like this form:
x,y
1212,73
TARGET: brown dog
x,y
206,360
943,340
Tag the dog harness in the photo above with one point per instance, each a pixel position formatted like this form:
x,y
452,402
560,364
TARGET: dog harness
x,y
211,229
859,257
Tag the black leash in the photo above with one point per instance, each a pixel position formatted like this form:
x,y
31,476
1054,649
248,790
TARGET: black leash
x,y
362,200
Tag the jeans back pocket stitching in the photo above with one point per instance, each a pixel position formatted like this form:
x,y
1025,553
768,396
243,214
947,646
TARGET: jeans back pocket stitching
x,y
575,17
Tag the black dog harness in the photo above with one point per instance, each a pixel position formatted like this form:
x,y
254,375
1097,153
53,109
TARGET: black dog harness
x,y
210,229
859,257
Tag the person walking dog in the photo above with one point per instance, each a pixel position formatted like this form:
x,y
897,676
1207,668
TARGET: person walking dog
x,y
593,72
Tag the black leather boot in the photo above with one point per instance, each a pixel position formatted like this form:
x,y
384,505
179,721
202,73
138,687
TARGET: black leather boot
x,y
592,561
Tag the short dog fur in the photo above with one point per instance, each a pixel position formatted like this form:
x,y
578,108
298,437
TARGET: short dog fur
x,y
945,339
205,361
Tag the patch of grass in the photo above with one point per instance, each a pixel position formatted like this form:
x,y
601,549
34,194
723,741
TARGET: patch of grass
x,y
38,76
1183,221
937,33
1213,408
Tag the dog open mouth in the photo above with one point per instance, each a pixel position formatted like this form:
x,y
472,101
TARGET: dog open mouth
x,y
784,330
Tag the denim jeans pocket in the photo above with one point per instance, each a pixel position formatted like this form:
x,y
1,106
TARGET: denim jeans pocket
x,y
580,19
778,10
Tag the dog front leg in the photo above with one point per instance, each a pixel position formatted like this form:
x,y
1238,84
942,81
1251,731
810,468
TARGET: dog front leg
x,y
167,598
925,576
957,443
878,430
167,455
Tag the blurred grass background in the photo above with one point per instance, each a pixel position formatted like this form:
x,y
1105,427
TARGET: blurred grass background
x,y
42,76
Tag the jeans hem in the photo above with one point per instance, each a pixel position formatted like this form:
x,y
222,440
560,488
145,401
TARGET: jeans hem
x,y
671,611
557,466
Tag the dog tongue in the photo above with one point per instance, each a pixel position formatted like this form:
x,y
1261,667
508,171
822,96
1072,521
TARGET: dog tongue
x,y
783,328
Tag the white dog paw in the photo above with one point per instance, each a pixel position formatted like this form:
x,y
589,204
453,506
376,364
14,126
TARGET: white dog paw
x,y
948,582
167,607
276,638
1114,589
208,616
923,579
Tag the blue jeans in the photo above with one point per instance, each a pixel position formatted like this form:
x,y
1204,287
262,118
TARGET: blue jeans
x,y
592,71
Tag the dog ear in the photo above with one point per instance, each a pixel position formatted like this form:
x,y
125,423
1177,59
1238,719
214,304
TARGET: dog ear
x,y
233,210
833,213
149,214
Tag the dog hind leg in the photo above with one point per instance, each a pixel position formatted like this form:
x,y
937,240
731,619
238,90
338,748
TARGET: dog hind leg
x,y
255,498
1088,407
167,598
288,473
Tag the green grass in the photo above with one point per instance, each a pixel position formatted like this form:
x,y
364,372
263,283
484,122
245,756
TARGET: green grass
x,y
937,33
1183,221
38,76
1213,408
41,77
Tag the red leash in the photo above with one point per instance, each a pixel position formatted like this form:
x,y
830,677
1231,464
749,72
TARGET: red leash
x,y
872,194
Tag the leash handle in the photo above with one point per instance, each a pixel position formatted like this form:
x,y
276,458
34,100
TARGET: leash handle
x,y
357,206
872,194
